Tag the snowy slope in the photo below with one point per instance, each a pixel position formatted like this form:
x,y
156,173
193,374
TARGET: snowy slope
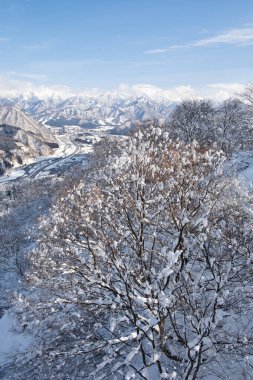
x,y
21,138
12,116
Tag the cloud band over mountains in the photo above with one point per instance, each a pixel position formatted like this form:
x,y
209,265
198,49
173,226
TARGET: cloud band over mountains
x,y
13,84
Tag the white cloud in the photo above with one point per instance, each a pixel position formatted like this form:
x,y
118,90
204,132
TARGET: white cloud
x,y
222,91
234,87
31,76
243,36
12,84
237,37
215,91
173,94
38,46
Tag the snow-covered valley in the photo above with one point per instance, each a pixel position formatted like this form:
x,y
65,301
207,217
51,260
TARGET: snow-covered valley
x,y
70,152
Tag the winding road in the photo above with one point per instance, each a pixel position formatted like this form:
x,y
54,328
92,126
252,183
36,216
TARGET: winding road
x,y
35,169
53,161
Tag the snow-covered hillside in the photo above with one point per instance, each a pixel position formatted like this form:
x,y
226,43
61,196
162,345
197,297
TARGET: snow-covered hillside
x,y
21,138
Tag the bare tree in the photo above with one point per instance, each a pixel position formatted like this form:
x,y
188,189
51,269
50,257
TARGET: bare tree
x,y
247,95
193,120
234,130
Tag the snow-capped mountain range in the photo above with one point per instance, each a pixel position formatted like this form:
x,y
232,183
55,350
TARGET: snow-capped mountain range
x,y
87,111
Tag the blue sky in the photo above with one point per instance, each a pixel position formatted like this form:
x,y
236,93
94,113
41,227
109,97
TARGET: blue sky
x,y
202,46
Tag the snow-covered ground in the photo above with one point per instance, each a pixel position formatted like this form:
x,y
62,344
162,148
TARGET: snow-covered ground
x,y
17,173
247,173
11,343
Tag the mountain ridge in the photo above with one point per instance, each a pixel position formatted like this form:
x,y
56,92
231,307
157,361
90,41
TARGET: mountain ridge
x,y
86,110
